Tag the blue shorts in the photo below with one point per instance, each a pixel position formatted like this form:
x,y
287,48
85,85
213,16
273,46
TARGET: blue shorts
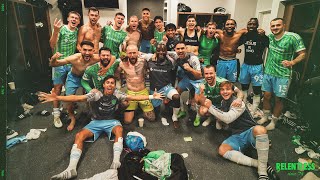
x,y
73,82
180,72
59,74
227,69
187,84
167,90
251,73
145,46
277,85
241,141
99,126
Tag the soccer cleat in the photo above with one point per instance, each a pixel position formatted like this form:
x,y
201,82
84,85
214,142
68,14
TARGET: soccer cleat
x,y
66,174
263,177
11,133
57,122
181,114
196,122
206,122
272,173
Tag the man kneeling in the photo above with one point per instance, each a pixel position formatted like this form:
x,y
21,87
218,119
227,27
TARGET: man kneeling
x,y
103,108
245,132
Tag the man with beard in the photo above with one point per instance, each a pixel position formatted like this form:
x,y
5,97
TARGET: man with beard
x,y
210,89
146,27
134,68
227,65
93,74
63,40
133,33
113,36
245,133
160,69
192,78
281,57
79,62
104,106
252,67
90,31
207,43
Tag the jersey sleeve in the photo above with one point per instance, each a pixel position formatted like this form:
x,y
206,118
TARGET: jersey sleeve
x,y
94,96
195,63
227,117
298,43
85,81
120,95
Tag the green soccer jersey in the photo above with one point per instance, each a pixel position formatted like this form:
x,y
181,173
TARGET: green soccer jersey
x,y
213,92
67,42
206,47
91,76
158,36
113,39
280,50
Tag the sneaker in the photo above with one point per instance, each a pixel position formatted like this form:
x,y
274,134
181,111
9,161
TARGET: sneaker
x,y
271,126
272,173
206,122
196,122
262,120
57,122
218,125
164,121
181,114
11,133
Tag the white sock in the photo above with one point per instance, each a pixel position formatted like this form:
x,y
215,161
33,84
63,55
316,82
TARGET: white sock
x,y
262,146
175,114
255,103
245,96
239,158
181,104
117,150
71,171
56,112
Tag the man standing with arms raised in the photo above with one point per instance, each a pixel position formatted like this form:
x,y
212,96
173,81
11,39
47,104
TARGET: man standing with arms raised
x,y
63,40
91,31
282,49
146,27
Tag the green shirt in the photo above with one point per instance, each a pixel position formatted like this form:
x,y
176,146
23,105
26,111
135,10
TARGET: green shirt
x,y
67,42
282,49
213,92
158,36
91,76
206,47
112,39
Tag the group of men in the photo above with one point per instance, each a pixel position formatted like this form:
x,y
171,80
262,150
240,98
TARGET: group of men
x,y
166,54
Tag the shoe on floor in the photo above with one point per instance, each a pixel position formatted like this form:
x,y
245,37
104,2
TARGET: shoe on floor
x,y
176,124
181,114
196,122
272,173
206,122
57,122
11,133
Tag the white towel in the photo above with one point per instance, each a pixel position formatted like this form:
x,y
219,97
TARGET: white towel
x,y
35,133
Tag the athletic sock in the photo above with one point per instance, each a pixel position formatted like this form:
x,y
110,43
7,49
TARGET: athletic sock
x,y
272,124
175,114
262,146
117,150
245,96
56,112
71,171
255,103
239,158
181,105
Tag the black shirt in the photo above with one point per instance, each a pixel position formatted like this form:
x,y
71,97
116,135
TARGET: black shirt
x,y
192,41
160,73
103,107
254,44
172,42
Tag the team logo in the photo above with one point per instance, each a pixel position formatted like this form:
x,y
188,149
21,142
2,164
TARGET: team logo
x,y
114,101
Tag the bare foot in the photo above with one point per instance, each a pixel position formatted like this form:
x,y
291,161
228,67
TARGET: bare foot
x,y
71,125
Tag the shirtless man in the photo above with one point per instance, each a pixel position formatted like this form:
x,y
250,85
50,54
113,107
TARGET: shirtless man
x,y
229,42
90,31
63,40
135,69
79,62
133,33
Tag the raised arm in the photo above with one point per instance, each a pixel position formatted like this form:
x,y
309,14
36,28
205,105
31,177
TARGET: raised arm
x,y
68,60
81,34
55,35
45,97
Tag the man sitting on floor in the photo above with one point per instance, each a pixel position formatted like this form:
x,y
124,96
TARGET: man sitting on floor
x,y
245,133
103,107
